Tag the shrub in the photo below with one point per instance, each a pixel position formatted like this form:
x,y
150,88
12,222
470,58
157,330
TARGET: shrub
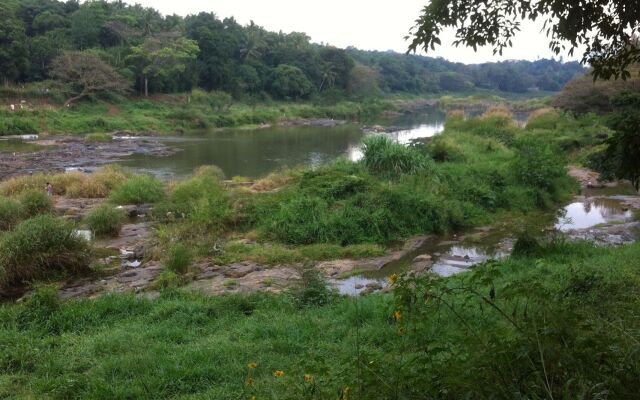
x,y
11,212
179,259
39,248
98,138
382,156
443,148
312,290
106,220
537,163
35,202
209,170
526,245
138,189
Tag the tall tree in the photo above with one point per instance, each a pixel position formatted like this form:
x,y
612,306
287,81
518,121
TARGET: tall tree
x,y
13,44
606,28
162,57
85,73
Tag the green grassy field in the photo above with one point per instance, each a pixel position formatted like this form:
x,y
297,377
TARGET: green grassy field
x,y
561,324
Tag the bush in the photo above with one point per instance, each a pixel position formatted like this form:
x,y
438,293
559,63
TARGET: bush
x,y
139,189
443,148
35,202
106,220
11,212
312,290
40,248
17,126
178,259
537,164
382,156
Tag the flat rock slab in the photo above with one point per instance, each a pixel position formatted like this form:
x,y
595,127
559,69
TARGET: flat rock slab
x,y
260,279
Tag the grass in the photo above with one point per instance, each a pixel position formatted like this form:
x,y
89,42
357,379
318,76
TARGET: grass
x,y
138,189
98,138
188,346
41,248
105,220
171,114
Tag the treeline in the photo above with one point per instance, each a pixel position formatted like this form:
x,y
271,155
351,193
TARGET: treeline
x,y
164,54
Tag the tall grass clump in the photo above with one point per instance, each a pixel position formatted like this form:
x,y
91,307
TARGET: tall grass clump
x,y
178,259
138,189
41,248
105,220
202,201
11,212
384,157
35,202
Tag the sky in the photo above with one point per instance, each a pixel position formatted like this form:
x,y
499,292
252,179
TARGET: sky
x,y
365,24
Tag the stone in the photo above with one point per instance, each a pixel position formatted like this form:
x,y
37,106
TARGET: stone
x,y
422,257
240,270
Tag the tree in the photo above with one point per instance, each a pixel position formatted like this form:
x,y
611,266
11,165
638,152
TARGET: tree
x,y
623,150
607,28
159,57
289,82
13,44
85,73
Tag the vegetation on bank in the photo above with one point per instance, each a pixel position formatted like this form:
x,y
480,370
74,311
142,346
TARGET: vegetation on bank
x,y
177,114
561,323
477,169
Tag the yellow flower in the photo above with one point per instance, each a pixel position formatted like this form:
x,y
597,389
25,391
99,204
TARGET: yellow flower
x,y
393,279
308,378
397,315
249,381
278,374
252,365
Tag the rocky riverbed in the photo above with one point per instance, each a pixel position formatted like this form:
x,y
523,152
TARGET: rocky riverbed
x,y
65,153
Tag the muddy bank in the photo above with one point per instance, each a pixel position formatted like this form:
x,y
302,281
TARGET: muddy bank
x,y
61,154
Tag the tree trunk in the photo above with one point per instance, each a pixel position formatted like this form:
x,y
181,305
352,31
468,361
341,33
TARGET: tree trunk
x,y
146,87
74,98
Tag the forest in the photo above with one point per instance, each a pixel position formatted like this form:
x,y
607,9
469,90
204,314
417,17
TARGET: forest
x,y
153,53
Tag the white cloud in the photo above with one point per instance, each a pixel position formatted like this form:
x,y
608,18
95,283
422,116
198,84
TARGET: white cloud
x,y
370,25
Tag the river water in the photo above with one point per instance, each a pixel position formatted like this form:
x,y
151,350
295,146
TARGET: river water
x,y
257,152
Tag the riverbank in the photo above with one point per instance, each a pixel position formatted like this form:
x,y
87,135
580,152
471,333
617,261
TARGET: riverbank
x,y
345,218
178,114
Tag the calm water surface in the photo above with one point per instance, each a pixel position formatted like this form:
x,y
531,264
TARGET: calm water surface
x,y
255,153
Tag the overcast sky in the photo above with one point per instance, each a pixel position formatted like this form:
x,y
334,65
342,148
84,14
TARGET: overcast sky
x,y
365,24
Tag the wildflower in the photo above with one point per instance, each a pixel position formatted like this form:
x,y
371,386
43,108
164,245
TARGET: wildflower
x,y
308,378
249,381
393,279
252,365
398,315
278,374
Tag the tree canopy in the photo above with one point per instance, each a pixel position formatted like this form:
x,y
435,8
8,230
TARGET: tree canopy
x,y
165,54
85,73
607,29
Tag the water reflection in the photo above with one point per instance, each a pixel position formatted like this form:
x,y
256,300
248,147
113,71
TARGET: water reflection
x,y
592,212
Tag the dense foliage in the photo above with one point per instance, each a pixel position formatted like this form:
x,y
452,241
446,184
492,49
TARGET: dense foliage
x,y
164,54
